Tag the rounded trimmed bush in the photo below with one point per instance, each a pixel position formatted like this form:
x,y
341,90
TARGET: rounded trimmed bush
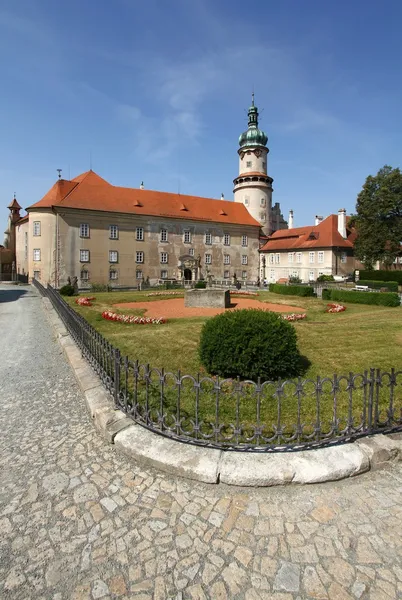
x,y
250,343
67,290
200,285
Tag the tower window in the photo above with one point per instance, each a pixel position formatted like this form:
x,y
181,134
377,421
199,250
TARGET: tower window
x,y
249,163
262,201
264,165
246,201
262,216
36,228
36,254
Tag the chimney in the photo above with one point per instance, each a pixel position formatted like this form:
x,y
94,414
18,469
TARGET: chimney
x,y
290,220
142,185
318,220
342,222
222,197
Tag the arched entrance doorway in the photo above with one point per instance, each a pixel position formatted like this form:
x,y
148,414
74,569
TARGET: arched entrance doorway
x,y
187,274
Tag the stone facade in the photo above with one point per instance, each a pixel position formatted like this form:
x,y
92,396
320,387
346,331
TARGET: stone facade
x,y
165,253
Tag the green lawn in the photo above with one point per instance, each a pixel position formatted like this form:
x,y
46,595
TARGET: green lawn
x,y
352,341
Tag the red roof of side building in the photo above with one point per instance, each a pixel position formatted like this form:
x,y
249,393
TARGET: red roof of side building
x,y
90,192
323,235
23,219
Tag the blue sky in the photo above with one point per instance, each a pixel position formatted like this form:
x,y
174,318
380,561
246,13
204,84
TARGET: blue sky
x,y
158,91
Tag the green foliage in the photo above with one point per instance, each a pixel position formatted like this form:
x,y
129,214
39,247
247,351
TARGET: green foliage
x,y
171,285
392,286
326,294
325,278
200,285
294,279
381,276
67,290
383,299
291,290
249,343
378,219
99,287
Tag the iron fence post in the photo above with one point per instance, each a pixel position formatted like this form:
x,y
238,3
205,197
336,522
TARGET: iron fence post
x,y
116,376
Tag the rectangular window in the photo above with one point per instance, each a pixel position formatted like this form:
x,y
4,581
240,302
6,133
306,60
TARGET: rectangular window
x,y
113,274
244,241
248,163
208,259
277,258
26,245
84,275
36,254
226,259
113,256
208,238
191,251
246,201
298,257
311,276
139,257
272,258
290,257
244,274
139,234
226,239
344,257
226,274
84,230
164,258
163,235
262,202
164,274
187,237
244,259
36,228
321,257
36,274
138,274
84,255
311,257
113,232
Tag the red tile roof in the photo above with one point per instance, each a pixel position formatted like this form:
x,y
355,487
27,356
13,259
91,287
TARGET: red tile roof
x,y
323,235
14,204
23,219
90,192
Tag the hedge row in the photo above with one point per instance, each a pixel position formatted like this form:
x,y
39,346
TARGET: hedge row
x,y
291,290
383,299
392,286
381,276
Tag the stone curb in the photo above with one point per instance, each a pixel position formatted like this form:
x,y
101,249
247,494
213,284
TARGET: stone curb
x,y
208,464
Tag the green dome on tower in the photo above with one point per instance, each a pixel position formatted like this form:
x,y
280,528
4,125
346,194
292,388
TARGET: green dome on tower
x,y
253,136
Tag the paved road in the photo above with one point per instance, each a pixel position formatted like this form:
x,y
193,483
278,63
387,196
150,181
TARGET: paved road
x,y
78,521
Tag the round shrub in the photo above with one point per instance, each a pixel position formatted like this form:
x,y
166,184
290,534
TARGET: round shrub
x,y
200,285
67,290
249,343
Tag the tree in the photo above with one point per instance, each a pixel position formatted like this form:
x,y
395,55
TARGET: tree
x,y
378,218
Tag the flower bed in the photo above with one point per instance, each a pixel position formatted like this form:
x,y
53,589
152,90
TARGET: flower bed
x,y
294,317
335,308
165,293
239,293
85,301
132,319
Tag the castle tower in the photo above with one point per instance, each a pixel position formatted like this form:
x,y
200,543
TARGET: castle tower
x,y
253,186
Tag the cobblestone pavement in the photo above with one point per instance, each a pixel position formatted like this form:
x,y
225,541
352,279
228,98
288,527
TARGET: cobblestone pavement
x,y
79,521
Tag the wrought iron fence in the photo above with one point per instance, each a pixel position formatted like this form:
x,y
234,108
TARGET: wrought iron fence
x,y
232,414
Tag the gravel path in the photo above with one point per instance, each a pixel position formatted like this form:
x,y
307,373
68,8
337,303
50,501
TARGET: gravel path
x,y
78,521
174,308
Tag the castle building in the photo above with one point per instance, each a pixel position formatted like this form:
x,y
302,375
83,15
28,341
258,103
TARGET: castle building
x,y
98,232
